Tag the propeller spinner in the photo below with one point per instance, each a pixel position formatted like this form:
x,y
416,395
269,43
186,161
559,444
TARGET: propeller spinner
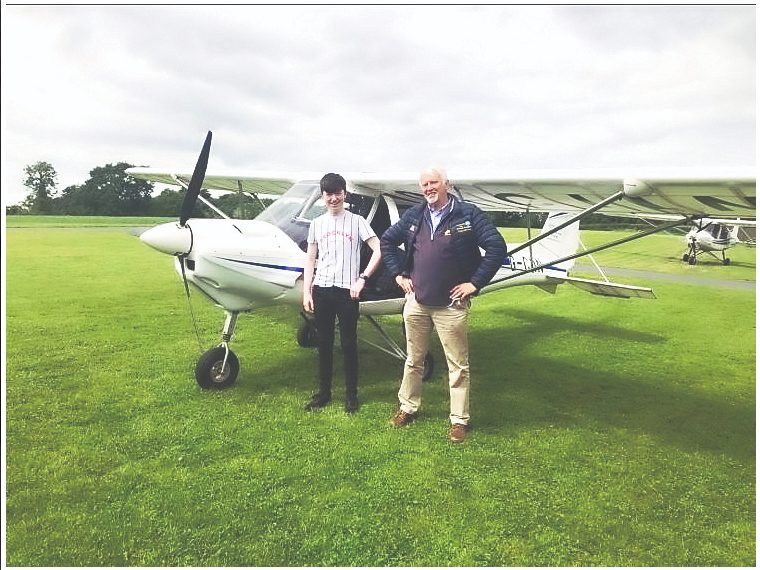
x,y
177,239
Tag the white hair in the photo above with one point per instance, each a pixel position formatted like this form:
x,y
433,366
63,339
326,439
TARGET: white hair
x,y
438,171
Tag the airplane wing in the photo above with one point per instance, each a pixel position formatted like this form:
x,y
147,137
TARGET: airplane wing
x,y
736,222
255,182
685,193
715,194
706,220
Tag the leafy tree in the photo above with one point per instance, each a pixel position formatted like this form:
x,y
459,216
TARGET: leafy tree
x,y
115,193
41,179
108,192
15,210
241,206
167,203
70,202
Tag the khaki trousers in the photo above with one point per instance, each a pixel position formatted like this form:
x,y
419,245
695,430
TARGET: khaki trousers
x,y
451,325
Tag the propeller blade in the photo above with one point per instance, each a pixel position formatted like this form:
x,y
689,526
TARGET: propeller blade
x,y
196,181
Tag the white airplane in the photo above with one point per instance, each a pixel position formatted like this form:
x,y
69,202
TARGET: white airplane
x,y
710,236
243,265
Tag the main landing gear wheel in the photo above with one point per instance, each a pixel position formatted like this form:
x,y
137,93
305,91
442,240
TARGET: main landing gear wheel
x,y
726,261
307,336
429,367
212,372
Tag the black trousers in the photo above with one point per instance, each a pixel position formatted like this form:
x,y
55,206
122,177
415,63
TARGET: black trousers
x,y
329,303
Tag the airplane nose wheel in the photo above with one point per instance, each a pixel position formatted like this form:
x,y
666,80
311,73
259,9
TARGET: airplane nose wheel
x,y
217,368
690,256
428,367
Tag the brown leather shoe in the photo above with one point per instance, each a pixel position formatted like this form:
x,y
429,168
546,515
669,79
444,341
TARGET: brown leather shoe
x,y
402,419
457,433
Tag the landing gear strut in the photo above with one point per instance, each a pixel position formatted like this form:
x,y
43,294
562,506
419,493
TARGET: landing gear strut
x,y
396,351
691,254
218,368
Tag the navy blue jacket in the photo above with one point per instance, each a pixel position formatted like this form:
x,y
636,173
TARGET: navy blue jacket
x,y
471,230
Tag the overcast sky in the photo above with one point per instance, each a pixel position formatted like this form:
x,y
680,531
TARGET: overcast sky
x,y
490,88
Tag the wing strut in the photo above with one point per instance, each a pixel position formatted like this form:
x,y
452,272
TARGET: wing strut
x,y
589,210
620,241
254,194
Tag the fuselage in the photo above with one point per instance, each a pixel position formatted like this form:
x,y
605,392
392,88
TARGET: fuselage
x,y
242,265
713,237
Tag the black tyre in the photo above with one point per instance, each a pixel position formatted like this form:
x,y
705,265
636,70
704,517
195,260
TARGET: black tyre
x,y
727,261
209,372
685,257
429,367
307,336
693,260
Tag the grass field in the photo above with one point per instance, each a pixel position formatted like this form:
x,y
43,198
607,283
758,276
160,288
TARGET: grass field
x,y
606,432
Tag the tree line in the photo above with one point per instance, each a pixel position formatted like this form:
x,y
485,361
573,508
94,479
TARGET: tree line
x,y
110,191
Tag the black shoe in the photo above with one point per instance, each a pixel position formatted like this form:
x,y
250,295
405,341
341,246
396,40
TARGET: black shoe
x,y
352,404
317,401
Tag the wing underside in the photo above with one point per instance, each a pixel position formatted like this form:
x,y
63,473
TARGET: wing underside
x,y
721,195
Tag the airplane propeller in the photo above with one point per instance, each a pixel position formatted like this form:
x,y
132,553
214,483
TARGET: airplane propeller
x,y
196,181
186,210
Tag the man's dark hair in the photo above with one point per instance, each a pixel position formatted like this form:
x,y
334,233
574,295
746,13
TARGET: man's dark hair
x,y
332,183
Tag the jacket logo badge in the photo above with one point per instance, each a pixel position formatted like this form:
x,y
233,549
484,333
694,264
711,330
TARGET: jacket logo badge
x,y
463,227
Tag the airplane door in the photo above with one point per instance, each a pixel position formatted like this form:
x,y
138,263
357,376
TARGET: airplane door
x,y
381,216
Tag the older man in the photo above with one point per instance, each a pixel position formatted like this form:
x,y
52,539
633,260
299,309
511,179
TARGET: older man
x,y
440,269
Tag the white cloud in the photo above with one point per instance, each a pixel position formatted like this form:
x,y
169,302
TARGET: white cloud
x,y
377,87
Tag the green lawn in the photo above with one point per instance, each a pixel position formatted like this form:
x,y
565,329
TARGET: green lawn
x,y
81,221
606,432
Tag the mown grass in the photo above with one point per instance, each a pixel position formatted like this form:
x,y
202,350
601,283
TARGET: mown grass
x,y
606,432
81,221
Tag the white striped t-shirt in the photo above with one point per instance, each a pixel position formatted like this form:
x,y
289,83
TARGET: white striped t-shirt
x,y
339,240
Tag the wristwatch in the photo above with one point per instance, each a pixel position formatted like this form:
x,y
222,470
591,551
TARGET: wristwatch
x,y
363,276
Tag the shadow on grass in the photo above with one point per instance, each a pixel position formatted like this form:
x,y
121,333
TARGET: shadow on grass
x,y
594,381
513,387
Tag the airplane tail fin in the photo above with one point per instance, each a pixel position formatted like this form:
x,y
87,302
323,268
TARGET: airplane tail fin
x,y
560,244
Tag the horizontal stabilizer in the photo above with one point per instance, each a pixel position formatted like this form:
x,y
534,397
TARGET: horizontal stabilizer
x,y
609,289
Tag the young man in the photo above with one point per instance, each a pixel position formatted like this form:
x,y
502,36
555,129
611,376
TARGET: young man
x,y
336,238
439,270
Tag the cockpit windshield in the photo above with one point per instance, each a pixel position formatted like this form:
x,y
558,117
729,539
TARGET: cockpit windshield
x,y
717,231
295,210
